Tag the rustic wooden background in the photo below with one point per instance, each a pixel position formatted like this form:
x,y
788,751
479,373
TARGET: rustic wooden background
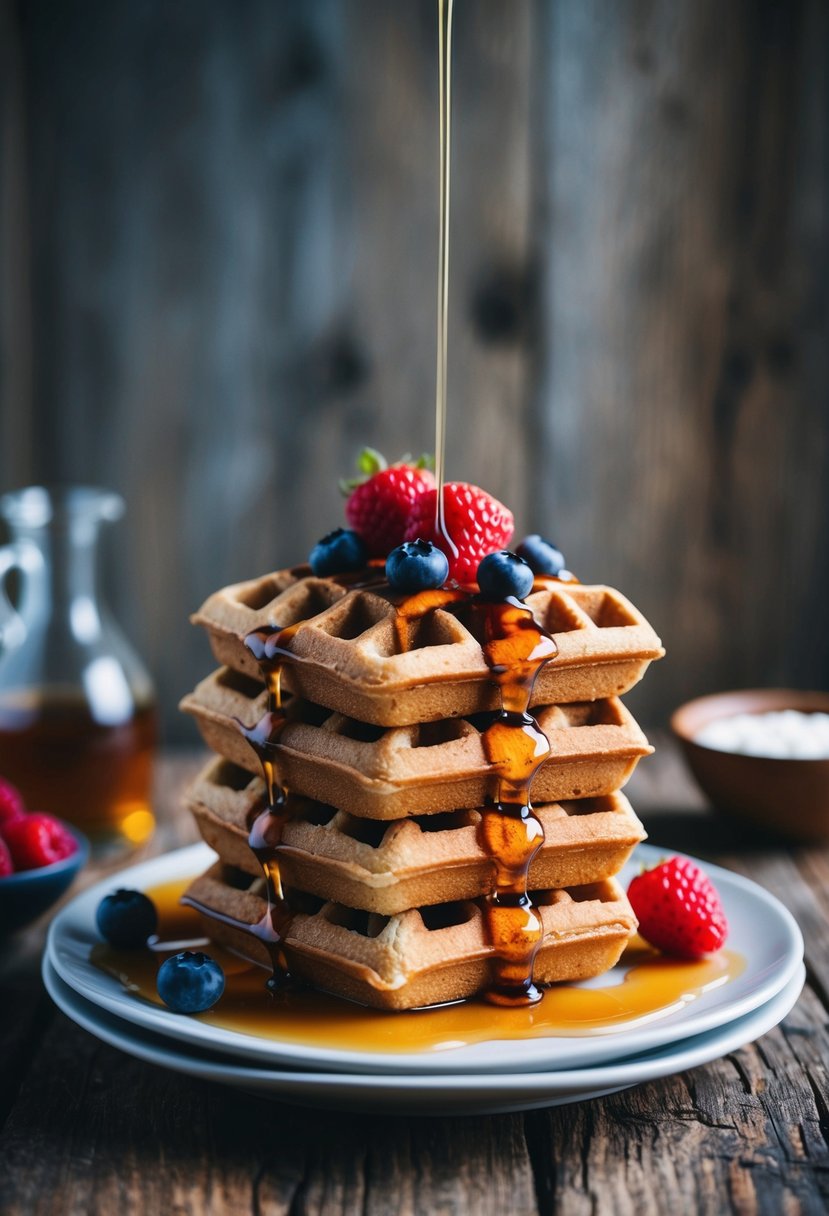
x,y
217,278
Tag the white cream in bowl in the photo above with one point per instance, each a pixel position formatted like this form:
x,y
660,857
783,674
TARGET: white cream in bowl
x,y
787,734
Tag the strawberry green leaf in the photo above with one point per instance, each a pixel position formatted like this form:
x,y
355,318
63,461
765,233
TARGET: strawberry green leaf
x,y
370,461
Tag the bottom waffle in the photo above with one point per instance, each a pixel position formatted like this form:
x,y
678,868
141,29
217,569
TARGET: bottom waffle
x,y
387,867
421,957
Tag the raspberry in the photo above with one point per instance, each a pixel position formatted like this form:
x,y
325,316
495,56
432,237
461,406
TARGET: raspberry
x,y
477,523
12,806
38,840
678,909
378,509
6,866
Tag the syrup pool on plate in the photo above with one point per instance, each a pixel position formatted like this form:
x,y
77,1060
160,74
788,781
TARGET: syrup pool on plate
x,y
644,987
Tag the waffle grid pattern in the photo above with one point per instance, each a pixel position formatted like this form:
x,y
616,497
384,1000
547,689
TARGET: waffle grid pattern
x,y
383,754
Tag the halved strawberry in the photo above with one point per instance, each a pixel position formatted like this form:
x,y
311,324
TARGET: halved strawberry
x,y
477,523
678,909
378,507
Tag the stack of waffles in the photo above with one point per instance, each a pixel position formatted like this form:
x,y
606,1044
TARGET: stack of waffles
x,y
383,755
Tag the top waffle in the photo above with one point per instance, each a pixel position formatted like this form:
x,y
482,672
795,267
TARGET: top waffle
x,y
349,657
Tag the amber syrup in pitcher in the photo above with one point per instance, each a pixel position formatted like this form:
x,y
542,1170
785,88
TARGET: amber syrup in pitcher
x,y
64,762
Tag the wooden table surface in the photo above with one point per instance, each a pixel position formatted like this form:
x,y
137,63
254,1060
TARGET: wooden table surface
x,y
87,1129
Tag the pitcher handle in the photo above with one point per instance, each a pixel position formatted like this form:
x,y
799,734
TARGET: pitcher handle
x,y
28,559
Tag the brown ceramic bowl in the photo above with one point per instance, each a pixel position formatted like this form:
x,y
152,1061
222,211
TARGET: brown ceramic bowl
x,y
790,797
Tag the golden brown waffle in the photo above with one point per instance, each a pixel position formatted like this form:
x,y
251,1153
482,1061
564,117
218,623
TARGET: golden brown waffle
x,y
388,867
421,957
348,654
415,770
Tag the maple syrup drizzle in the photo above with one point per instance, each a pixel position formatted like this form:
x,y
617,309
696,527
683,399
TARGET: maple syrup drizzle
x,y
267,646
516,648
417,607
647,987
445,131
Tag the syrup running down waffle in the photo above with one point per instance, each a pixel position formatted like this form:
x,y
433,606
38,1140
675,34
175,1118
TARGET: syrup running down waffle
x,y
388,867
393,856
348,656
415,770
419,957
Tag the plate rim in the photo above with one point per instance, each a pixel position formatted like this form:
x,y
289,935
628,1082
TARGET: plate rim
x,y
521,1055
575,1084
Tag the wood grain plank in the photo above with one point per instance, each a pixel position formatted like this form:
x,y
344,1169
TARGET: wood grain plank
x,y
95,1131
92,1131
16,430
231,272
744,1134
780,875
681,163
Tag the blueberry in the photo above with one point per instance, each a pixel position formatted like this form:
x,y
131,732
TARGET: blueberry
x,y
541,555
190,982
417,565
126,918
338,552
503,574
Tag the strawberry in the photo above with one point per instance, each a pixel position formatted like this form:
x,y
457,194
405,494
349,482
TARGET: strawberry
x,y
6,866
12,806
477,523
38,840
678,909
378,507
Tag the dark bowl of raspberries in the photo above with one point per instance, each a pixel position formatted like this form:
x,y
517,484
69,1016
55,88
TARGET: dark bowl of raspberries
x,y
39,858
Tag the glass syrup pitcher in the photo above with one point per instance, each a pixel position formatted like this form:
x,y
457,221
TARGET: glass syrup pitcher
x,y
77,708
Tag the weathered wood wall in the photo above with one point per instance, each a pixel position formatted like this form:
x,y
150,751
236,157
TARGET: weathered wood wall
x,y
218,239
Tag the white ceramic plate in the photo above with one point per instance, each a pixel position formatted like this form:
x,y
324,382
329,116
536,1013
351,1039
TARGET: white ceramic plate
x,y
449,1094
761,930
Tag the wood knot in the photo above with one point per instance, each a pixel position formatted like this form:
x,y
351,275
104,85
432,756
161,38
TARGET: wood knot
x,y
503,305
341,366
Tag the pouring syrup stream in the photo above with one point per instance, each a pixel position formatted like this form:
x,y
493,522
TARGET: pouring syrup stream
x,y
445,122
515,647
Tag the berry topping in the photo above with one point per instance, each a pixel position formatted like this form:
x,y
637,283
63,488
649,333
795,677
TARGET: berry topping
x,y
541,555
416,565
6,864
12,806
190,982
504,574
378,508
126,918
38,840
678,909
477,523
337,553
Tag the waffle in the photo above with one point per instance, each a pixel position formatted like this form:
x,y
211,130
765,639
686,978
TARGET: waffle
x,y
415,770
422,956
388,868
349,659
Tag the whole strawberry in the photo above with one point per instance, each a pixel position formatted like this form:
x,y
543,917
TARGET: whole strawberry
x,y
477,523
378,507
678,909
